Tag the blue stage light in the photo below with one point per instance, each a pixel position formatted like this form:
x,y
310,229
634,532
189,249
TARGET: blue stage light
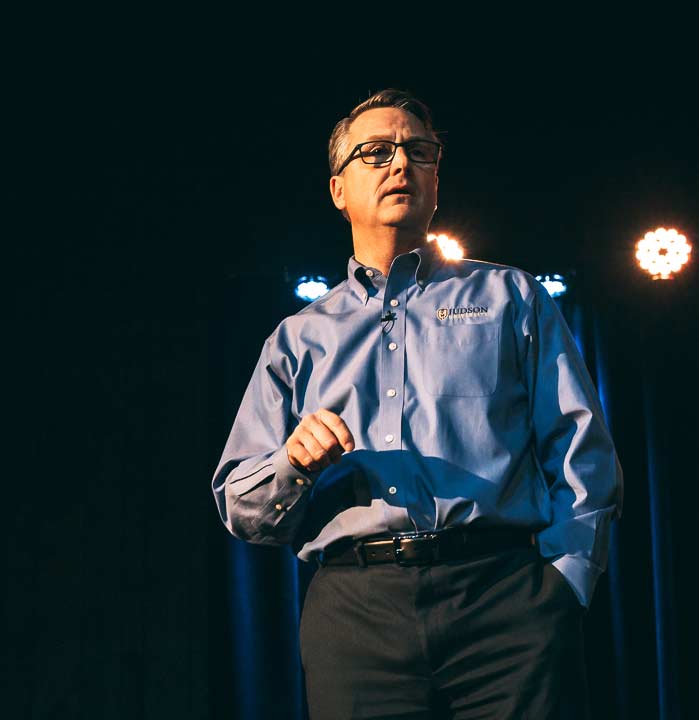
x,y
311,287
554,284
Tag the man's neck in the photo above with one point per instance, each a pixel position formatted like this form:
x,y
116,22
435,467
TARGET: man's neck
x,y
379,249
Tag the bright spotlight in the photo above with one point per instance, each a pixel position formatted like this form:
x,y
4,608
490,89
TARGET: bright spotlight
x,y
663,252
311,287
450,248
554,284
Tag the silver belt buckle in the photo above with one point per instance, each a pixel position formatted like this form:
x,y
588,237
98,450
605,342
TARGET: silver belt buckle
x,y
419,549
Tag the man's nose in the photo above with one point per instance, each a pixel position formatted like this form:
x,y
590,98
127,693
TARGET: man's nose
x,y
400,161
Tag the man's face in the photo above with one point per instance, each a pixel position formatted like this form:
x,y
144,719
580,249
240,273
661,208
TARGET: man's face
x,y
402,194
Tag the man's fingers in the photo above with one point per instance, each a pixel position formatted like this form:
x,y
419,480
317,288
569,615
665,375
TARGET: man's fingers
x,y
338,427
319,440
313,453
324,436
299,454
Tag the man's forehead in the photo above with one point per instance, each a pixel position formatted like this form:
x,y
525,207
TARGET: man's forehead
x,y
385,122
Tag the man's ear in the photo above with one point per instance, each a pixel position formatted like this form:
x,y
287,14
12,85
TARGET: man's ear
x,y
337,191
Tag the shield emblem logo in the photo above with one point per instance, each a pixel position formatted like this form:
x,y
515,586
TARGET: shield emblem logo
x,y
442,313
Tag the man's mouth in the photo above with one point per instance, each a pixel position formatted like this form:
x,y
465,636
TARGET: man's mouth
x,y
398,191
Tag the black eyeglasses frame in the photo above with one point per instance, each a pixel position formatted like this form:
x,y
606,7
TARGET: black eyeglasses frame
x,y
356,153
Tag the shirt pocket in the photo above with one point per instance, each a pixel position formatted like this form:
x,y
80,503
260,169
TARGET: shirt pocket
x,y
462,360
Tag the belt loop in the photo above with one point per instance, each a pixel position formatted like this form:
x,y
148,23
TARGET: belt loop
x,y
359,553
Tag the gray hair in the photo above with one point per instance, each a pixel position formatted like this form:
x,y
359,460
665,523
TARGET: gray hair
x,y
338,147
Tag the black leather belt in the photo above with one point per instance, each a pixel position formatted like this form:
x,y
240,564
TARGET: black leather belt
x,y
424,548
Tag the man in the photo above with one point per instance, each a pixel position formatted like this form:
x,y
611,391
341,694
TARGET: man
x,y
427,432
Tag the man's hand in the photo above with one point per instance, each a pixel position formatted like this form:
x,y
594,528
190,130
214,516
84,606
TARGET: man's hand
x,y
319,440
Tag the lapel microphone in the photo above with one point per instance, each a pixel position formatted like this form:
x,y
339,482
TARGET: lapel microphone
x,y
388,317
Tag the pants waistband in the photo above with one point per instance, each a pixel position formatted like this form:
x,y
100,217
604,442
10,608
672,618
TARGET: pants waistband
x,y
425,548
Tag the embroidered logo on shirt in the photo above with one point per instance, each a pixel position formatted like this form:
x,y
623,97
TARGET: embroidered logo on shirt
x,y
444,313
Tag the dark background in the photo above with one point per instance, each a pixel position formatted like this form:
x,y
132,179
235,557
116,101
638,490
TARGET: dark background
x,y
163,202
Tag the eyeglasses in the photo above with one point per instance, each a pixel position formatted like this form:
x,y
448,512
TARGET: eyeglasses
x,y
381,152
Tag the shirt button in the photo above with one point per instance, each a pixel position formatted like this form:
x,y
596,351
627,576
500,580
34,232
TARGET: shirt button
x,y
389,438
279,506
394,303
370,273
392,490
392,346
391,392
300,481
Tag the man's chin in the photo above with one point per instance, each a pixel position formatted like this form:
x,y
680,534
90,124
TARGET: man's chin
x,y
402,216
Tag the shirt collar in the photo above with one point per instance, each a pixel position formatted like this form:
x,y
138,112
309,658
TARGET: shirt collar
x,y
429,259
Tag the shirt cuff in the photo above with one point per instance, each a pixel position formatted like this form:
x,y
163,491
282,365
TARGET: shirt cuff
x,y
285,471
290,482
580,574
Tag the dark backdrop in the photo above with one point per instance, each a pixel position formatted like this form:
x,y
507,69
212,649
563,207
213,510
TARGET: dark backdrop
x,y
161,215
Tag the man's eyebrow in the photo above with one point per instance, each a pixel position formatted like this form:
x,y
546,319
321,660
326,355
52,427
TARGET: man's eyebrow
x,y
383,137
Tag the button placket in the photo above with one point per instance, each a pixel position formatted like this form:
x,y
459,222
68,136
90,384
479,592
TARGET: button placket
x,y
392,379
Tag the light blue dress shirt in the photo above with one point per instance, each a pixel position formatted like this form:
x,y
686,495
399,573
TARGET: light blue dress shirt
x,y
471,404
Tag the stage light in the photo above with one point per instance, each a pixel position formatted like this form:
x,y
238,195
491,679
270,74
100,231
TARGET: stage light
x,y
554,284
663,252
311,287
450,248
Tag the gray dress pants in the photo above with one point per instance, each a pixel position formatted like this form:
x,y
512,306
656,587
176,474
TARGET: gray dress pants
x,y
497,637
